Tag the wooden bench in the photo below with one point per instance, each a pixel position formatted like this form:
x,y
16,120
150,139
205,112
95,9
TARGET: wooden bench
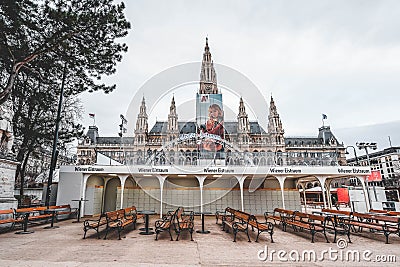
x,y
275,215
94,223
338,221
8,217
238,222
64,211
184,221
220,215
266,227
37,214
386,212
165,224
335,224
118,220
379,223
303,221
131,213
183,215
33,215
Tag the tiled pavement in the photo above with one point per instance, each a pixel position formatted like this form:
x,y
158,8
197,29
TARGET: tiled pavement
x,y
64,246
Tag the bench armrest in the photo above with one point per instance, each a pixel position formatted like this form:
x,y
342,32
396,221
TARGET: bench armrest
x,y
170,213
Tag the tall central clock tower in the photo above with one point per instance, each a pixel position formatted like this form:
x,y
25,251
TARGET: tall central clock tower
x,y
208,96
208,78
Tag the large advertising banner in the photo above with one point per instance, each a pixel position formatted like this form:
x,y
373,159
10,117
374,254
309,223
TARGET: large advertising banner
x,y
210,120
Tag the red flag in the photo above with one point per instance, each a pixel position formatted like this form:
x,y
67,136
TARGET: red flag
x,y
91,115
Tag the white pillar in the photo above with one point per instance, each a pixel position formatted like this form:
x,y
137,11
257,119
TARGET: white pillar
x,y
201,179
328,192
122,179
281,180
241,179
322,180
304,196
85,177
103,194
161,180
366,195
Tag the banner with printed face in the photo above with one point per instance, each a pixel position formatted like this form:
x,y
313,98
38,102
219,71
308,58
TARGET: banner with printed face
x,y
210,120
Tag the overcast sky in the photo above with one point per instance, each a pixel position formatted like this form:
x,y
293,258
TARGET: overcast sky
x,y
340,58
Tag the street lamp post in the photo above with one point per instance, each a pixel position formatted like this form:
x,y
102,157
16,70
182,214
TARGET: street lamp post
x,y
365,146
355,153
54,154
122,128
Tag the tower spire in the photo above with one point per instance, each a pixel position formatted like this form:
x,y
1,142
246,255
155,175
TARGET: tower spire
x,y
141,124
172,130
275,128
243,119
208,77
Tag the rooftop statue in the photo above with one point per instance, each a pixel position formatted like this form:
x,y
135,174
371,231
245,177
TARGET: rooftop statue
x,y
6,129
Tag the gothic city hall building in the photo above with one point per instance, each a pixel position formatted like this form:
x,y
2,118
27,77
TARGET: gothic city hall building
x,y
208,163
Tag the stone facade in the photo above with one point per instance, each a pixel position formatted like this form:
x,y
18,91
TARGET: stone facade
x,y
7,178
253,145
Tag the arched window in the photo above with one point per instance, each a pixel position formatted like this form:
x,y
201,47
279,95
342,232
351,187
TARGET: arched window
x,y
256,161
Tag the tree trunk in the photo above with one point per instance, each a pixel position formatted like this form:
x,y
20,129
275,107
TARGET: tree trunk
x,y
13,75
10,83
20,158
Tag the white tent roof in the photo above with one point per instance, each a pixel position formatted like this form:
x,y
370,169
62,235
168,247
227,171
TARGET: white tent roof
x,y
104,160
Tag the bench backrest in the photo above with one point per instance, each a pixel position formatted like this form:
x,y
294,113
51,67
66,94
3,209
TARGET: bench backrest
x,y
115,215
394,213
4,212
389,219
315,218
243,216
229,210
379,218
129,211
61,207
36,209
290,212
178,213
300,215
379,211
279,210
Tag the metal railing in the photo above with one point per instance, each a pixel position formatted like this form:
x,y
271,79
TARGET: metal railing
x,y
198,158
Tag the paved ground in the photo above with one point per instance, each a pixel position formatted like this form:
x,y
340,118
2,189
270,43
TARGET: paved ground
x,y
64,246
